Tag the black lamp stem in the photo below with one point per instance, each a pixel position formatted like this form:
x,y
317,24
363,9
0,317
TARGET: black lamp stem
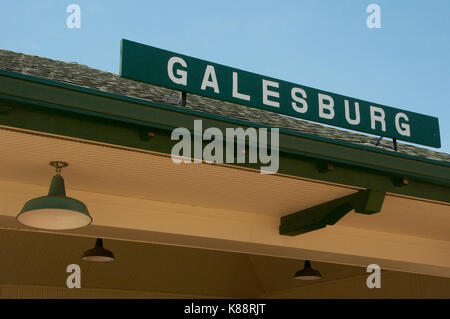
x,y
99,243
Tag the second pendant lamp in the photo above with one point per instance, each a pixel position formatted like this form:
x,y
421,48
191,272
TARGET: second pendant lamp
x,y
98,253
307,273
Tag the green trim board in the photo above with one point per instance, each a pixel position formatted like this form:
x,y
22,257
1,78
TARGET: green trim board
x,y
109,109
44,118
329,213
184,73
68,110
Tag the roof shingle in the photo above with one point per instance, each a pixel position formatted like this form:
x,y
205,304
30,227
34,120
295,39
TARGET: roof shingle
x,y
74,73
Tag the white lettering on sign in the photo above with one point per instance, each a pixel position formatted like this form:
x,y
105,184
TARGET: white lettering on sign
x,y
210,73
402,129
267,93
182,75
326,106
236,94
347,113
377,115
177,70
298,99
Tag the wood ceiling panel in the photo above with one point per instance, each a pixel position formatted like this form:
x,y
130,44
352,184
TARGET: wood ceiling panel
x,y
100,169
40,259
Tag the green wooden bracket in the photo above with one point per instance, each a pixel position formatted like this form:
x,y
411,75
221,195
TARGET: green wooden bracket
x,y
368,202
316,217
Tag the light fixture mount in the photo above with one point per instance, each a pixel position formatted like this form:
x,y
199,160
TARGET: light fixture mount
x,y
58,165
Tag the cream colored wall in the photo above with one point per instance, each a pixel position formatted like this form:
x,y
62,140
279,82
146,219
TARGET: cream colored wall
x,y
393,285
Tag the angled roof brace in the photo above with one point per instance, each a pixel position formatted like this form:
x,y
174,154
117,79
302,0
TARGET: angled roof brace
x,y
316,217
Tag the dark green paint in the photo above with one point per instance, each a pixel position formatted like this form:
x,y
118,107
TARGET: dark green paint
x,y
78,99
73,111
369,202
329,213
57,187
149,64
56,199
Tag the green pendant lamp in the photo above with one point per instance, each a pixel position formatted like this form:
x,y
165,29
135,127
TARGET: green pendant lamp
x,y
98,253
307,273
55,211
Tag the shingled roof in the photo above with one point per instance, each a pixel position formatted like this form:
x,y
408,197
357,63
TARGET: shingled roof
x,y
74,73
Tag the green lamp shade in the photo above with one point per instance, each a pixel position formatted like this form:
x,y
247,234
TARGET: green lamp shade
x,y
307,273
55,211
98,253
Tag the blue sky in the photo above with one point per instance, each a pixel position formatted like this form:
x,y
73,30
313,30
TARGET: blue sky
x,y
323,44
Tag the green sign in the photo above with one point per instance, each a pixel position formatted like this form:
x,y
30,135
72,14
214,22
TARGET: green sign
x,y
180,72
